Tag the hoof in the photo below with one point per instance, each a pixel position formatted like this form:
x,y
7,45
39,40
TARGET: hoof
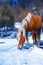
x,y
39,46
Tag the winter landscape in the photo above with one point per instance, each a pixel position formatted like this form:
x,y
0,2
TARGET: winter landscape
x,y
12,13
11,55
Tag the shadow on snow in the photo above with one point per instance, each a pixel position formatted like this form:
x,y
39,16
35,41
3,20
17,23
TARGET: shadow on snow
x,y
31,45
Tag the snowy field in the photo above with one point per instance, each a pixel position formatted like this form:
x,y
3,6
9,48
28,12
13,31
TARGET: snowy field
x,y
32,56
11,55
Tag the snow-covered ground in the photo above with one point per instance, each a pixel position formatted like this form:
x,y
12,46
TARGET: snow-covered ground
x,y
11,55
14,56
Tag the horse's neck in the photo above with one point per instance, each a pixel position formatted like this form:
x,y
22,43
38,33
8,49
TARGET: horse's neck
x,y
28,17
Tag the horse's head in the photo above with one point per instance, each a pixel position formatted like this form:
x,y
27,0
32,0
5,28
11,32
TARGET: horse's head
x,y
21,37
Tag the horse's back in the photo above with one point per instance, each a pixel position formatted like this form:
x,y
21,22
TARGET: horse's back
x,y
37,20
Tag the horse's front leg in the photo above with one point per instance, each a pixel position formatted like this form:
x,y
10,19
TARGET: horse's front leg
x,y
26,39
21,40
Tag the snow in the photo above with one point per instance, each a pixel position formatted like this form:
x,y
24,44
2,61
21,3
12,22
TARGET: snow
x,y
41,36
14,56
17,25
11,55
6,44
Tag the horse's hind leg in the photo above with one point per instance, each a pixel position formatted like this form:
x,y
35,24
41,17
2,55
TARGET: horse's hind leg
x,y
34,37
39,37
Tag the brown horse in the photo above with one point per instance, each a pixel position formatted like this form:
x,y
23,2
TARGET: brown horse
x,y
32,23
